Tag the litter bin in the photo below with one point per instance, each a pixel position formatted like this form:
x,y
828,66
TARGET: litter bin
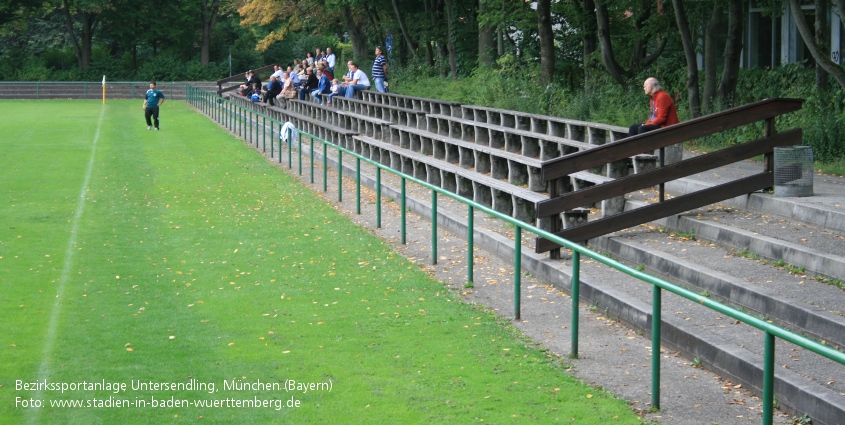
x,y
794,171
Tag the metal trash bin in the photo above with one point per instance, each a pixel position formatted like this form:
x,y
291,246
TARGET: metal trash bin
x,y
794,171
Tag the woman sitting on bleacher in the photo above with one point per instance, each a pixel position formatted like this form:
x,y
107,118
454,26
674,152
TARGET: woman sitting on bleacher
x,y
309,85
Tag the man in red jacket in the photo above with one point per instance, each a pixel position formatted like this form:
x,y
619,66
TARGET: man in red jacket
x,y
663,112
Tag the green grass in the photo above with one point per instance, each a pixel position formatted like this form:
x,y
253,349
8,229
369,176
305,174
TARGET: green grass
x,y
196,259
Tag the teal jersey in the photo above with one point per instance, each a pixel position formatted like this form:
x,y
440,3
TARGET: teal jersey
x,y
153,97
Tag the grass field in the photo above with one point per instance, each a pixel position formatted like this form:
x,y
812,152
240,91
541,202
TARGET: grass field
x,y
183,260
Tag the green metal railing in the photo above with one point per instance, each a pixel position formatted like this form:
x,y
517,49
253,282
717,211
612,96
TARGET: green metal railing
x,y
234,117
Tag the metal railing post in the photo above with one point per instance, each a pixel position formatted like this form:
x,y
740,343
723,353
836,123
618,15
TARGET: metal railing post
x,y
517,272
311,156
325,167
769,380
378,197
655,346
402,215
576,295
358,185
339,175
433,226
470,248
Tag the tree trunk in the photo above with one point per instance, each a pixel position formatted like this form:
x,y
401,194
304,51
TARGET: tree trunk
x,y
450,43
356,35
710,70
547,41
821,58
486,39
588,29
616,72
412,45
822,41
82,45
733,51
209,19
692,63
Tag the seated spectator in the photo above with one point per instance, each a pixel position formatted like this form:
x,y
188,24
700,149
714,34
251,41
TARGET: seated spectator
x,y
359,81
309,59
310,84
322,66
318,55
251,79
323,86
277,72
255,95
273,89
335,88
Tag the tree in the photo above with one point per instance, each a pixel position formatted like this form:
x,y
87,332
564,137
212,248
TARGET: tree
x,y
639,58
412,45
209,9
547,41
733,51
689,54
710,73
817,51
86,13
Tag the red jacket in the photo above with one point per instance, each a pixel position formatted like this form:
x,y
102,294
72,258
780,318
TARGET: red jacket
x,y
663,112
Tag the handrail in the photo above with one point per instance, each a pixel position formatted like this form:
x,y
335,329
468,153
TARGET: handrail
x,y
682,132
222,110
613,153
238,77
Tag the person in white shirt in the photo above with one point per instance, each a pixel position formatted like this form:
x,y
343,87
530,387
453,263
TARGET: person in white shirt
x,y
331,59
359,81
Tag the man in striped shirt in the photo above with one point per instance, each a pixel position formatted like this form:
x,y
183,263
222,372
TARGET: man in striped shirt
x,y
380,70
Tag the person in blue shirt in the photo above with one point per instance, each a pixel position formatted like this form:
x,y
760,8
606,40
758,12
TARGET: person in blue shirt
x,y
323,86
152,101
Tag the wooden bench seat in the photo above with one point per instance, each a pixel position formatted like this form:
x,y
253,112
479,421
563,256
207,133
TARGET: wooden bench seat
x,y
501,196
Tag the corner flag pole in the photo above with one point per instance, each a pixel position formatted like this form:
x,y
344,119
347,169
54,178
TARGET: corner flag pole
x,y
104,89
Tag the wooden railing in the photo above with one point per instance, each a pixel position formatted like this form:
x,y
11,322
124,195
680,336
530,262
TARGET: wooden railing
x,y
764,110
240,77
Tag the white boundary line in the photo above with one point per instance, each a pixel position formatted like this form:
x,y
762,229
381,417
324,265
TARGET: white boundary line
x,y
44,368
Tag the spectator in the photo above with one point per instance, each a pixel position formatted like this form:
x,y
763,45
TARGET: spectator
x,y
310,84
331,59
273,89
663,112
335,89
251,79
255,96
322,66
309,59
318,55
359,81
277,72
323,86
294,76
380,70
